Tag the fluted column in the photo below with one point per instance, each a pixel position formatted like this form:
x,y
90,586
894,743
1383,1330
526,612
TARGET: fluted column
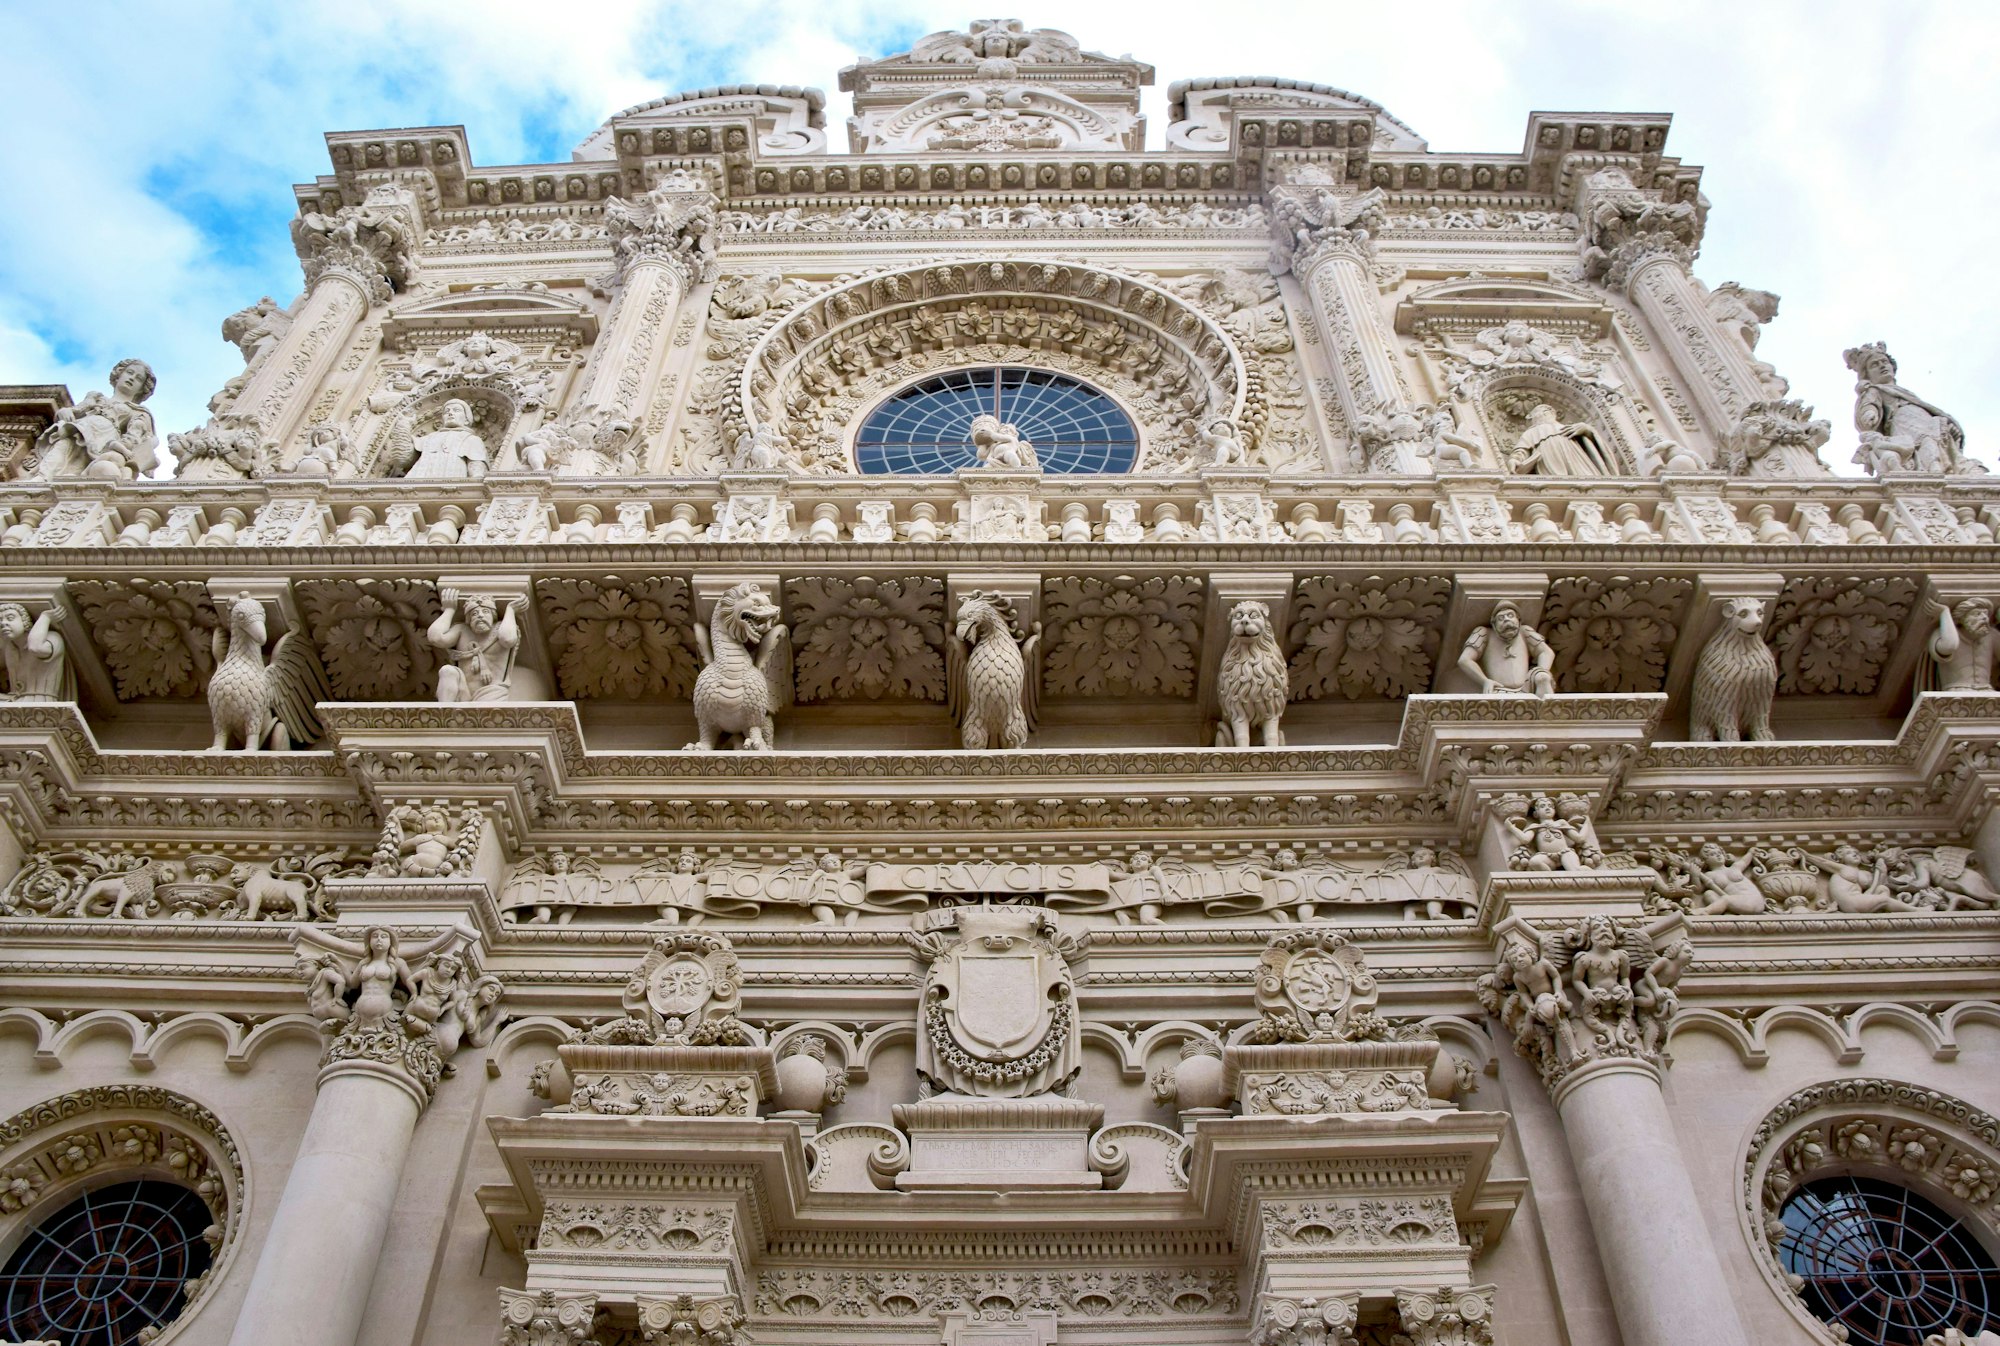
x,y
1716,368
1325,240
353,259
1588,1000
395,1014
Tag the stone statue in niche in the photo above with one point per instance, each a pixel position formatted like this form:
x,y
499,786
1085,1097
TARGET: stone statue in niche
x,y
1252,685
35,654
1963,646
997,444
1550,834
452,452
1901,432
994,673
1507,657
106,435
480,645
746,674
1549,448
1736,679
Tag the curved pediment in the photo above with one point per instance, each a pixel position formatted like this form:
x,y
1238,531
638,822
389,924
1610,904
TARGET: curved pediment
x,y
1201,110
790,119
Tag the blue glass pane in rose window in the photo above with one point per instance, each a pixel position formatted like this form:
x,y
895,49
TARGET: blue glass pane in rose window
x,y
926,429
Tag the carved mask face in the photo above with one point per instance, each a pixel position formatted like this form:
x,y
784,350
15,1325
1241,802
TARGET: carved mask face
x,y
1423,857
479,616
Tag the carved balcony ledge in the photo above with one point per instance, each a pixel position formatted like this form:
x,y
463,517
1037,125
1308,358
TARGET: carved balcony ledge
x,y
1787,520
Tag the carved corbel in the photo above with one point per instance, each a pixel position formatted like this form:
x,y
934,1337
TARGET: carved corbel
x,y
1473,599
82,674
1705,616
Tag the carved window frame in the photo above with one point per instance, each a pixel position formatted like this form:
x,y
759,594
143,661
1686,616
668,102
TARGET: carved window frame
x,y
1959,1170
33,1141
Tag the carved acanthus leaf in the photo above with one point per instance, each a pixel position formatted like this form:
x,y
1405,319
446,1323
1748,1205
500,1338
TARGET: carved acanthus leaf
x,y
1833,635
867,638
1122,636
1369,638
370,635
1615,635
154,634
618,637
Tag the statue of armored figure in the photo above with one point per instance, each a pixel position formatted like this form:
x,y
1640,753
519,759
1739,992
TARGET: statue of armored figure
x,y
1506,657
1900,432
106,435
481,646
34,651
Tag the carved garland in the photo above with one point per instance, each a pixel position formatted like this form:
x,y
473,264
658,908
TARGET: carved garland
x,y
962,1062
59,1147
1902,1132
811,373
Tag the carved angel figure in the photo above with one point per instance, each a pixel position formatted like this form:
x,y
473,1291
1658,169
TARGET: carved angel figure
x,y
997,444
1525,992
1251,686
35,655
259,706
329,452
1548,448
418,843
759,450
1223,443
746,675
1508,658
106,435
993,673
1855,885
1901,432
481,649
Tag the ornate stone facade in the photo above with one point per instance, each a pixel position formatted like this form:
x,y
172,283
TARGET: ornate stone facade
x,y
1369,788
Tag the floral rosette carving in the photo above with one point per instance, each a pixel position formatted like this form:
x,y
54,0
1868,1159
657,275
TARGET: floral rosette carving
x,y
619,638
1376,638
1123,636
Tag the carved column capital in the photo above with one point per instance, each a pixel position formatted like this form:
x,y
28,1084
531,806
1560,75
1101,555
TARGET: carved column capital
x,y
1314,224
672,226
545,1318
1445,1317
1587,993
371,246
1625,260
1283,1321
686,1321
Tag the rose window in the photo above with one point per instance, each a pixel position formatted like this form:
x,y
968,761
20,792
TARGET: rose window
x,y
926,429
107,1266
1886,1264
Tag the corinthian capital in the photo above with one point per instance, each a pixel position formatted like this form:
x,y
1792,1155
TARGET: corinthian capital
x,y
1305,1322
1446,1317
1312,222
1602,988
673,224
1624,226
372,244
544,1318
398,1011
687,1321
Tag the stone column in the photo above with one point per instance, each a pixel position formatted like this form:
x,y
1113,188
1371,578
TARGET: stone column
x,y
1587,999
1325,241
662,247
353,259
380,1070
1715,368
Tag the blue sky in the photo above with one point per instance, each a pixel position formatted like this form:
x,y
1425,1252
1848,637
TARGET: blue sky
x,y
1849,147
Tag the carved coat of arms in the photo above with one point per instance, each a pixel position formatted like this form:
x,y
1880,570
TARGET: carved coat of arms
x,y
998,1016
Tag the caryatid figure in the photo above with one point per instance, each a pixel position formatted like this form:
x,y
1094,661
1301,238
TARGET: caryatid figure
x,y
1963,646
1508,658
33,649
480,643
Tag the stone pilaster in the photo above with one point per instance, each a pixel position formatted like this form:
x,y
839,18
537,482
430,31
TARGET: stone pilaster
x,y
1585,986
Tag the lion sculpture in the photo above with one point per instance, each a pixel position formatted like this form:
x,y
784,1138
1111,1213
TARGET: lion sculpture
x,y
1735,680
1251,685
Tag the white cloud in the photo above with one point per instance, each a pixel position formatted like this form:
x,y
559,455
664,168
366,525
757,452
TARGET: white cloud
x,y
152,146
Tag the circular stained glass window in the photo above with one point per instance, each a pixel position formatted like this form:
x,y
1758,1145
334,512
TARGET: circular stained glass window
x,y
927,428
110,1264
1886,1264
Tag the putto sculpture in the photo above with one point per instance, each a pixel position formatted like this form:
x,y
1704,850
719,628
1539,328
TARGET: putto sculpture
x,y
1549,834
418,842
1901,432
1252,684
993,673
1507,657
106,435
1735,680
746,675
997,444
257,705
480,638
380,1001
35,654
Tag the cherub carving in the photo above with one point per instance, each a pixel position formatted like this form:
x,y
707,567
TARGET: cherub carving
x,y
106,435
1549,840
759,450
1525,992
375,978
1223,443
1855,885
997,444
